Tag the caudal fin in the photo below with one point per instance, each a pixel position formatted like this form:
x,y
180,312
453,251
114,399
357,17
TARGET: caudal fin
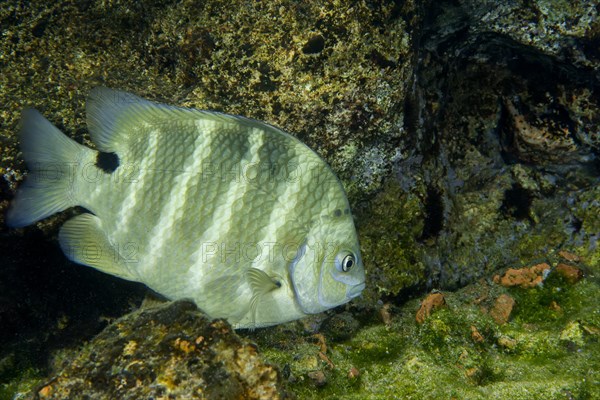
x,y
52,159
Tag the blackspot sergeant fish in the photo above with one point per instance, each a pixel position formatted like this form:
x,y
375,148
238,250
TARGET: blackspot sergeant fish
x,y
235,214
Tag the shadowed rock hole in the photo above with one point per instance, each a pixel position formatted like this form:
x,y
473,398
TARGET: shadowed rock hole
x,y
516,203
39,28
434,214
577,224
315,45
380,60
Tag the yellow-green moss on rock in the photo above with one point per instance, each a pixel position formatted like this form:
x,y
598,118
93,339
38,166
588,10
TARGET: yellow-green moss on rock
x,y
389,230
526,358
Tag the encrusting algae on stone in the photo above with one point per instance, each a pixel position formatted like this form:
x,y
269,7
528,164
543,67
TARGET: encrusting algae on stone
x,y
523,277
168,351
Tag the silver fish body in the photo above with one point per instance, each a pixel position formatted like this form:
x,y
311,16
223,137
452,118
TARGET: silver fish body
x,y
237,215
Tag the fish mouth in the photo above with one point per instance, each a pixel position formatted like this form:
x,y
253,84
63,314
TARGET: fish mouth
x,y
354,291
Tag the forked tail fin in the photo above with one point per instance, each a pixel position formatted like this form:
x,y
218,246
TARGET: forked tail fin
x,y
53,161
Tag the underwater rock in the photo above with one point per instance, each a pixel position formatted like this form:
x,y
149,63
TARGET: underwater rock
x,y
523,277
340,326
506,94
567,255
318,378
502,309
540,141
476,335
389,229
430,304
570,273
507,342
353,373
171,350
573,333
385,314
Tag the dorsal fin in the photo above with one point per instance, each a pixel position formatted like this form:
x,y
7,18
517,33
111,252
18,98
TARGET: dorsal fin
x,y
112,115
109,112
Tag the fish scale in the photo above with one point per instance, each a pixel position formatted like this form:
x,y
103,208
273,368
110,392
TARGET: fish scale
x,y
234,214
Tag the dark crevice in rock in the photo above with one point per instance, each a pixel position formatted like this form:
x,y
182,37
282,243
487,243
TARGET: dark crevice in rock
x,y
434,214
516,203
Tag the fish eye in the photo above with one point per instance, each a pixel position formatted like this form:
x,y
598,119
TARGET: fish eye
x,y
348,262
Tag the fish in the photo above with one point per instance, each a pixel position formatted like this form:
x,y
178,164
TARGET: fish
x,y
234,214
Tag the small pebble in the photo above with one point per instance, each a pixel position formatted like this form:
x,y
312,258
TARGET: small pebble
x,y
429,304
353,373
318,378
502,308
475,335
569,256
570,273
507,342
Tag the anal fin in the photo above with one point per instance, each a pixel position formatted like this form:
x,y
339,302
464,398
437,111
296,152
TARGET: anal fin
x,y
84,241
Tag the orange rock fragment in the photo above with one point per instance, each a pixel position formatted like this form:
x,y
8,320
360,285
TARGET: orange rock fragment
x,y
184,345
323,349
569,256
475,335
430,303
523,277
321,343
46,391
353,373
570,273
502,308
554,306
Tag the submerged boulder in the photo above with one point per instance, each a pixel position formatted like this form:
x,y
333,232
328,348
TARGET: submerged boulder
x,y
168,351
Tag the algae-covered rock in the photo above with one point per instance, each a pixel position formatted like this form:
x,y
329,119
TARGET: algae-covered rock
x,y
169,351
547,349
390,229
318,69
479,112
510,139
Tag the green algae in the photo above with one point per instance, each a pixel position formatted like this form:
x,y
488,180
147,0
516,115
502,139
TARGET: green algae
x,y
27,380
389,231
587,211
443,358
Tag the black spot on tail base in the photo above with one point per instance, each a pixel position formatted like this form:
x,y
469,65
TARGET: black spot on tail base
x,y
107,162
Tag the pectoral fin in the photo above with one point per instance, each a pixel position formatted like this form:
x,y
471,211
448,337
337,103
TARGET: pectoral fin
x,y
260,283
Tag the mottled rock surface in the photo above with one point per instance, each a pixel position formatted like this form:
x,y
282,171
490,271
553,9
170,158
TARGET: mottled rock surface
x,y
505,93
169,351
